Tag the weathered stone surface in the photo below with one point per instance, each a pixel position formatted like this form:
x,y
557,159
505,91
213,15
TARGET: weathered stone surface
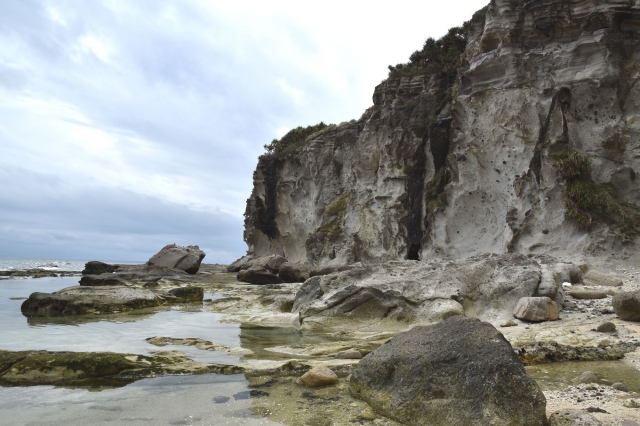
x,y
606,327
318,376
35,368
188,294
572,417
620,386
258,275
85,300
187,259
487,287
238,264
587,294
95,267
275,263
536,309
103,280
459,371
593,278
293,273
588,377
627,305
326,270
349,354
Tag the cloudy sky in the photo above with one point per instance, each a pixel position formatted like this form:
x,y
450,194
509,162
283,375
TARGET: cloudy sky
x,y
127,125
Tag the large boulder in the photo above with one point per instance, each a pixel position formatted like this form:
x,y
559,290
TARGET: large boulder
x,y
458,372
103,280
594,278
238,264
536,309
87,300
95,267
293,272
187,259
627,305
258,275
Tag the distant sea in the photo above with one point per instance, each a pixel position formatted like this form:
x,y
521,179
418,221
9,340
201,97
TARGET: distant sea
x,y
15,264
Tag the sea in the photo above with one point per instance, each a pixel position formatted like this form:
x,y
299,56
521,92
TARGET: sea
x,y
208,399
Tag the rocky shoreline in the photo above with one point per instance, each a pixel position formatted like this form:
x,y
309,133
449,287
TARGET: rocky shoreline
x,y
587,329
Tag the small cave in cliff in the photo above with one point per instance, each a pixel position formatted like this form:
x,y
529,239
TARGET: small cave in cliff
x,y
414,252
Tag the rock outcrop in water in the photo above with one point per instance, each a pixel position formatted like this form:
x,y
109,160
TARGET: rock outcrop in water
x,y
530,144
172,256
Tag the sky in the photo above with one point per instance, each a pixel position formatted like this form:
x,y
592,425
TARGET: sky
x,y
128,125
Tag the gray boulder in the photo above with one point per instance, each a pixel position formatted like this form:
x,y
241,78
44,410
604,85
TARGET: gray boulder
x,y
187,259
103,280
238,264
536,309
258,275
627,305
293,273
457,372
86,300
593,278
572,417
275,262
587,294
95,267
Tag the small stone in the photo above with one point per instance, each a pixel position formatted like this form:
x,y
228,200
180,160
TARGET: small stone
x,y
620,386
221,399
258,381
318,376
606,327
588,377
349,354
368,414
508,323
596,410
631,403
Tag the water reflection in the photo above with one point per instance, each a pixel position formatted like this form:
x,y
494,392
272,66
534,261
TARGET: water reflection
x,y
259,338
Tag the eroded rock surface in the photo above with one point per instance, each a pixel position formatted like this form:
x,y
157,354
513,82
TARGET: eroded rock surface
x,y
403,292
536,309
460,371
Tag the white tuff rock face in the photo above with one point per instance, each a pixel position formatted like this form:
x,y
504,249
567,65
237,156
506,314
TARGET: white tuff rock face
x,y
420,177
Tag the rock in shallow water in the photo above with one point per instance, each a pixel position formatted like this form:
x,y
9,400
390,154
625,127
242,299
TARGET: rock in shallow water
x,y
187,259
318,376
85,300
457,372
258,275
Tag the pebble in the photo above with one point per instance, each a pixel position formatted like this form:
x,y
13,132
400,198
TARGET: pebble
x,y
349,354
368,414
588,377
318,376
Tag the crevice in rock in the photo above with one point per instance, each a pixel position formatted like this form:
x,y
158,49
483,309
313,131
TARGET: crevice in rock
x,y
265,219
413,201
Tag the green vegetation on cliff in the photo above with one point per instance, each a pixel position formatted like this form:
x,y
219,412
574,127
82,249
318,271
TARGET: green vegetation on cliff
x,y
587,202
292,140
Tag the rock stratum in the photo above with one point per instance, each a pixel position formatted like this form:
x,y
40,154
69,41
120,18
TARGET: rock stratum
x,y
530,144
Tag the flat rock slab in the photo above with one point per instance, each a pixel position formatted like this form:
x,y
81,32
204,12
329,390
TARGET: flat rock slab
x,y
587,294
594,278
458,372
86,300
34,368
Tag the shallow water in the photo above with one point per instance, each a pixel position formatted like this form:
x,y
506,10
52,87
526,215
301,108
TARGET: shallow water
x,y
558,376
173,400
125,333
